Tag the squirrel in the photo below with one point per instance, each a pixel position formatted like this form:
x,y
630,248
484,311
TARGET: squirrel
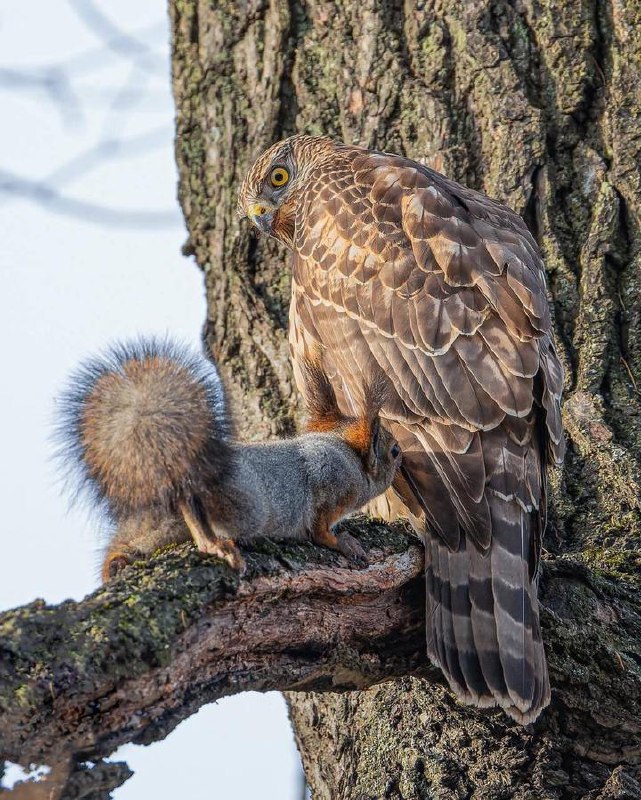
x,y
146,430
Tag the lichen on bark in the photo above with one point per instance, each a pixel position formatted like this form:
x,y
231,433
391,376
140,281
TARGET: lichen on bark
x,y
171,634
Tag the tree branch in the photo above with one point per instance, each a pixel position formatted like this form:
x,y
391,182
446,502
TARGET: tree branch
x,y
132,660
135,658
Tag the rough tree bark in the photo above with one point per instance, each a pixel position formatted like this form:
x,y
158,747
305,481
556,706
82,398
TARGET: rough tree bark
x,y
141,654
537,103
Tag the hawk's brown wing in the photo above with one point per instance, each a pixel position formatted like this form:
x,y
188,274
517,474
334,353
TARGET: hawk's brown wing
x,y
441,288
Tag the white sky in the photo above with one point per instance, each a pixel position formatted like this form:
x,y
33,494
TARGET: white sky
x,y
67,288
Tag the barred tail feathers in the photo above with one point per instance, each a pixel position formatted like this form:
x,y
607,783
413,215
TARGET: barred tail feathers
x,y
483,620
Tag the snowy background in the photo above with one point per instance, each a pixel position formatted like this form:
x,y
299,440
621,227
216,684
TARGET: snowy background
x,y
90,235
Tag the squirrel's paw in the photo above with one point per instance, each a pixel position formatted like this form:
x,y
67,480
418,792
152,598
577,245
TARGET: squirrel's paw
x,y
352,549
226,550
113,565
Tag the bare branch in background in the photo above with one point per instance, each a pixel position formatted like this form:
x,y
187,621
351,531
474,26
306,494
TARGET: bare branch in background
x,y
114,38
44,195
70,87
53,82
108,149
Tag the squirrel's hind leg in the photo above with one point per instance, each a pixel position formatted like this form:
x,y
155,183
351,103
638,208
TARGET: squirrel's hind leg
x,y
138,536
206,539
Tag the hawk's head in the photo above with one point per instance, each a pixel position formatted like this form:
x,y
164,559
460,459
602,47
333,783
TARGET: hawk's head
x,y
274,186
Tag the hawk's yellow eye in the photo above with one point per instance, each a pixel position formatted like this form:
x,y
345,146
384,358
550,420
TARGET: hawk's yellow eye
x,y
279,176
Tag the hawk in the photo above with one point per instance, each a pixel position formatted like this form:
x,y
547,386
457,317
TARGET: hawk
x,y
443,291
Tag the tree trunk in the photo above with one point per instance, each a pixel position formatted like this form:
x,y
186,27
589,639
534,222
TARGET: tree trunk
x,y
537,104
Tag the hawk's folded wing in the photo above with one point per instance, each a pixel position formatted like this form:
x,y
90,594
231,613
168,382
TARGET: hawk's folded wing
x,y
442,289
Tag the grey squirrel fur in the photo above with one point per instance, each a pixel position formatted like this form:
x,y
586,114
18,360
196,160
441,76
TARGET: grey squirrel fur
x,y
145,429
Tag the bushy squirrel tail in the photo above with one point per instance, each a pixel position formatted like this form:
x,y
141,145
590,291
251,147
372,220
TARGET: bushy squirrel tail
x,y
145,424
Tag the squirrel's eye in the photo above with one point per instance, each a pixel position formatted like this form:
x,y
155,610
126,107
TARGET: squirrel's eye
x,y
395,450
279,176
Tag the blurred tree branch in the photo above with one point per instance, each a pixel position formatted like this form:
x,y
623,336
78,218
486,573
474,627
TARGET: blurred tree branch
x,y
74,100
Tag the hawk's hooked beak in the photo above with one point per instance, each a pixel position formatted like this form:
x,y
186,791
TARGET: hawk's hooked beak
x,y
262,216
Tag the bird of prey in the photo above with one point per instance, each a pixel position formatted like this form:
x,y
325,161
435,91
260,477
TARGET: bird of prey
x,y
443,291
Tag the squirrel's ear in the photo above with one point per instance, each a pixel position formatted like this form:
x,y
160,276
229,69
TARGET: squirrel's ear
x,y
376,392
374,440
363,433
324,413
